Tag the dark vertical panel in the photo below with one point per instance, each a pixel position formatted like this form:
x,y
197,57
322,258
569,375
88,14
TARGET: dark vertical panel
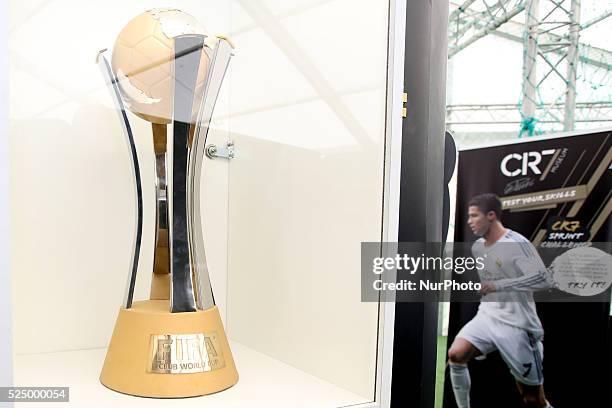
x,y
421,192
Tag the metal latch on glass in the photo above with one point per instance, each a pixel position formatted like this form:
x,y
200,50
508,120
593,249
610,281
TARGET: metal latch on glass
x,y
226,152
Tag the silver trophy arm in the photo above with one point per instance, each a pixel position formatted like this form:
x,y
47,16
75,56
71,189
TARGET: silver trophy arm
x,y
113,87
161,256
214,78
188,51
161,213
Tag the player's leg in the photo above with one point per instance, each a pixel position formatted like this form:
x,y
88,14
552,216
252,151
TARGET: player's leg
x,y
523,354
533,395
471,341
460,353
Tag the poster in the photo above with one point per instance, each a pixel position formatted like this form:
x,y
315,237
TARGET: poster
x,y
556,192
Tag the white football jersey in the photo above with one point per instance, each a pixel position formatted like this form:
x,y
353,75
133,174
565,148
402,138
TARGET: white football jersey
x,y
513,265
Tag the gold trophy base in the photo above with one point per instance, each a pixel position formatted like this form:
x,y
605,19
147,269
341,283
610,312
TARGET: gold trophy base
x,y
155,353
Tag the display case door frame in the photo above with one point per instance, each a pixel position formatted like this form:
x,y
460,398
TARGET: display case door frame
x,y
6,353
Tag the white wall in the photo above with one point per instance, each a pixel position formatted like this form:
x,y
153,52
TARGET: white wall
x,y
308,119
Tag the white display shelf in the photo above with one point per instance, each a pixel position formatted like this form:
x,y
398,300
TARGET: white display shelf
x,y
264,382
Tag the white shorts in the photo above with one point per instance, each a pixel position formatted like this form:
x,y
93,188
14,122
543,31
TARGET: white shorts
x,y
521,351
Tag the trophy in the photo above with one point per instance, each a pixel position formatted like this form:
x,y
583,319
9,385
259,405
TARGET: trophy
x,y
167,71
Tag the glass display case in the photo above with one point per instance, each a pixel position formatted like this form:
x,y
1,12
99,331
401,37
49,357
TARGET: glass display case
x,y
305,112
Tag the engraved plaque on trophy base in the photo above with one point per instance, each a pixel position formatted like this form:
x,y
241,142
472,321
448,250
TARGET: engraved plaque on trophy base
x,y
154,353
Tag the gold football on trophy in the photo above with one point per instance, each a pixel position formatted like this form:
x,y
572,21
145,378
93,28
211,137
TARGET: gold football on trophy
x,y
143,60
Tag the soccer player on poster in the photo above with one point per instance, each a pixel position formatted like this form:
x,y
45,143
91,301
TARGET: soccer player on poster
x,y
512,326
